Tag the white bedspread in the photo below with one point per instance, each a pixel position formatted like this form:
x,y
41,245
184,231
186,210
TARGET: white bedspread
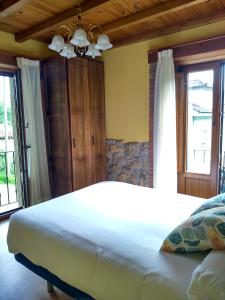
x,y
105,240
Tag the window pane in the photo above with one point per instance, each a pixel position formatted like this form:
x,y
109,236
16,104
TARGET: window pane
x,y
199,121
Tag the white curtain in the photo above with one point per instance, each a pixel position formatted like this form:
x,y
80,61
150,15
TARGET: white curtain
x,y
38,176
165,153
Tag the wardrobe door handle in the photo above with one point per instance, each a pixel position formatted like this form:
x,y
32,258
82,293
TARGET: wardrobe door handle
x,y
93,140
74,143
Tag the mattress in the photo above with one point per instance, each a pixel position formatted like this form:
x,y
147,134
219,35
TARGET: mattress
x,y
105,241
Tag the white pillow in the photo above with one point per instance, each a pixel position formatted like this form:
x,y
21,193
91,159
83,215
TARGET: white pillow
x,y
208,279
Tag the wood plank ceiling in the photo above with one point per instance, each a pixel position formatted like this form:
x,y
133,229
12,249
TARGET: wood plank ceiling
x,y
125,21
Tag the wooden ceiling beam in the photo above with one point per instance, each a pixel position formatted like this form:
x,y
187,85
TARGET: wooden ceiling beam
x,y
8,7
150,14
188,24
58,20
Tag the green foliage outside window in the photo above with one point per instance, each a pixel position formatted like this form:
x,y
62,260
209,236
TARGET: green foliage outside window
x,y
2,116
11,177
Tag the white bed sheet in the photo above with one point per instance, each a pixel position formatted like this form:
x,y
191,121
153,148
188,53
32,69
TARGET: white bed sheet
x,y
105,240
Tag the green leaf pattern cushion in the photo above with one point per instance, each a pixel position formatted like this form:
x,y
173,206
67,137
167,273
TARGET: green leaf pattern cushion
x,y
200,232
216,201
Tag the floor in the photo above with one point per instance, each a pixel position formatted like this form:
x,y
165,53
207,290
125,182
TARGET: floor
x,y
18,283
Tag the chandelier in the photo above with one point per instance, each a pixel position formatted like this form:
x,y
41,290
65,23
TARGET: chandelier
x,y
90,42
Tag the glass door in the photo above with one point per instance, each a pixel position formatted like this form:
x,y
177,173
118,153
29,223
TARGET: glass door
x,y
12,171
199,144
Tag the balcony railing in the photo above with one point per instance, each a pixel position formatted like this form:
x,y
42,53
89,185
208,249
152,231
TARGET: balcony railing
x,y
7,178
203,153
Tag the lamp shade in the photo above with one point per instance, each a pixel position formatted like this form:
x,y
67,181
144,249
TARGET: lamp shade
x,y
103,42
92,51
80,38
68,51
57,43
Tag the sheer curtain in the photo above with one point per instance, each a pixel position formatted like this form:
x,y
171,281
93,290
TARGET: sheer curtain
x,y
165,152
38,176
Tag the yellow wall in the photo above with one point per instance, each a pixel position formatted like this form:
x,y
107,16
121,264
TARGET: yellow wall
x,y
30,48
126,82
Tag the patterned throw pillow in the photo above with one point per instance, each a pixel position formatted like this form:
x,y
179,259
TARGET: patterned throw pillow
x,y
216,201
200,232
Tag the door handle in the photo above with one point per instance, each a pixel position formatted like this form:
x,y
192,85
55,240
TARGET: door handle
x,y
93,140
74,143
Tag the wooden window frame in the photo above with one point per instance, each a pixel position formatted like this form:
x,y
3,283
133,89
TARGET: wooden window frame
x,y
8,63
215,113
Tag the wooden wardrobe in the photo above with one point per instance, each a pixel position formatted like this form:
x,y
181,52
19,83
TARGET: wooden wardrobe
x,y
75,120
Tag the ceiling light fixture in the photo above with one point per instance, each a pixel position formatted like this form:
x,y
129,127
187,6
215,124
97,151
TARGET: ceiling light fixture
x,y
90,42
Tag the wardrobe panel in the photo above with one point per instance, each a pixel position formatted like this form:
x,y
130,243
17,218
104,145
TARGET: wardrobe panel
x,y
76,78
97,120
56,92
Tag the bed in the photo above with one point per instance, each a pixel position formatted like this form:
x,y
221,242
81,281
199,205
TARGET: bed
x,y
104,240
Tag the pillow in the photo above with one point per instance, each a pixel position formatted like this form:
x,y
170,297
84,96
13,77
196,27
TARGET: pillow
x,y
216,201
200,232
208,280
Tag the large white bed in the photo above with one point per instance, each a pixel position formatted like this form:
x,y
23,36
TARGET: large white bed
x,y
105,241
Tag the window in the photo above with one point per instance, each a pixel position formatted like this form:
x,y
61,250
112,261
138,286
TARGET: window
x,y
199,121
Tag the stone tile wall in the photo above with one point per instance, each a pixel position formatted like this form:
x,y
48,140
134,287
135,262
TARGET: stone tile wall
x,y
128,162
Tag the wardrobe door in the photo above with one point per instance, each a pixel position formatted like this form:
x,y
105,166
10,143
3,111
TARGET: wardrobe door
x,y
97,121
58,131
77,85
